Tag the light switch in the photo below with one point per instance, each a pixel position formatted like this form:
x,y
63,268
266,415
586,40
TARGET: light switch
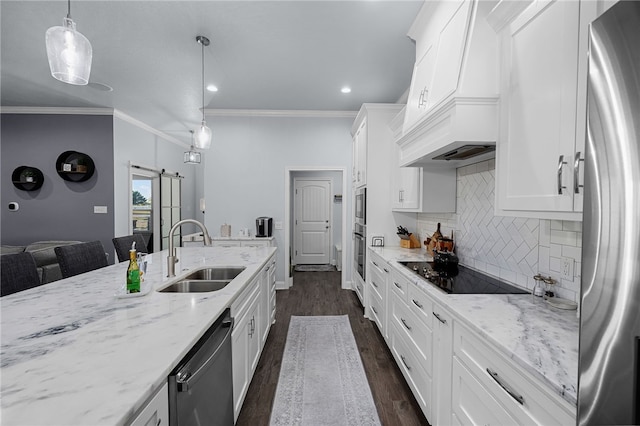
x,y
278,224
99,209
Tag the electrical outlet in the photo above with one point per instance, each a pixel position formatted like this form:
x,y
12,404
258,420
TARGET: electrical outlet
x,y
278,224
567,268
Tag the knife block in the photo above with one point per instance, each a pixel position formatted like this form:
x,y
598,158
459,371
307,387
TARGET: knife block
x,y
412,242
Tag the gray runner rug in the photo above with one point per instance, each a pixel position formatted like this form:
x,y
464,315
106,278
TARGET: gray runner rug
x,y
322,380
315,268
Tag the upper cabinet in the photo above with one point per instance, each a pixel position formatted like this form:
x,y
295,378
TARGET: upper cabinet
x,y
453,98
360,154
543,109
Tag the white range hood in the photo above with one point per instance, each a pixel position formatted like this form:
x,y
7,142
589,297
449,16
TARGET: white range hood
x,y
452,112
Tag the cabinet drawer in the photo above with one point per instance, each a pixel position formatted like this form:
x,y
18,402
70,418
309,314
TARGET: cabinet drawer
x,y
399,285
377,311
528,400
242,302
413,371
377,281
415,331
224,243
420,304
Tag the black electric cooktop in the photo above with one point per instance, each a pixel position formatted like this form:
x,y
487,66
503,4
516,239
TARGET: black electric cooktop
x,y
461,280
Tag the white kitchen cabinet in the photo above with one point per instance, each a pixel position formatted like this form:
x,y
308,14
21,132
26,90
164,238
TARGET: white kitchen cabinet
x,y
360,154
440,32
156,412
543,110
489,389
378,274
245,341
242,242
442,356
267,298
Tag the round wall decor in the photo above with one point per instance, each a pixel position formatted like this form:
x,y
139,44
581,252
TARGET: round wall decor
x,y
75,166
27,178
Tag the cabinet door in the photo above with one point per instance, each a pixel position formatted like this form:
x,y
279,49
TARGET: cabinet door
x,y
537,139
361,148
446,71
239,349
254,345
442,358
472,404
420,84
157,410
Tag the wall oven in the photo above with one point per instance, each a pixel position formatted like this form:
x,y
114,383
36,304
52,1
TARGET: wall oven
x,y
360,232
361,206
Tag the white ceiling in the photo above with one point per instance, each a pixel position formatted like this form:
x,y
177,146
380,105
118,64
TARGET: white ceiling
x,y
265,55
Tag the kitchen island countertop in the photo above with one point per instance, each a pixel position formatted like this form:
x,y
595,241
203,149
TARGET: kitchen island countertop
x,y
540,339
75,354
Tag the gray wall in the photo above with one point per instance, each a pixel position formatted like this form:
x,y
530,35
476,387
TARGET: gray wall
x,y
245,168
60,210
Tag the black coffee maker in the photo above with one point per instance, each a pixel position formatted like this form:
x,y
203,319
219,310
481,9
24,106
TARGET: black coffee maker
x,y
264,226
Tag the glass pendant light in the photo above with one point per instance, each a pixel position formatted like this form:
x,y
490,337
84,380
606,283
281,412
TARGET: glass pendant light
x,y
192,156
69,52
203,135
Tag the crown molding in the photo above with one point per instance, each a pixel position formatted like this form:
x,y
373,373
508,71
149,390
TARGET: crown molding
x,y
55,110
124,117
279,113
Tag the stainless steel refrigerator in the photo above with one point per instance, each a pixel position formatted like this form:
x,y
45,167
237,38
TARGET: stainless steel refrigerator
x,y
610,303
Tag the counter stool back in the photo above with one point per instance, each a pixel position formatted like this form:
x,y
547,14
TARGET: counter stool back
x,y
80,258
19,272
123,245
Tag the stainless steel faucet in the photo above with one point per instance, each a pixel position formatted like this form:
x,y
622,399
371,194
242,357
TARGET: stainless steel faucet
x,y
172,259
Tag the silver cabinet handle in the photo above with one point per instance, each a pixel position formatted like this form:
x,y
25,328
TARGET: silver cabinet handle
x,y
386,270
514,395
374,284
405,362
397,285
415,302
439,319
400,196
374,310
576,173
561,163
374,263
405,323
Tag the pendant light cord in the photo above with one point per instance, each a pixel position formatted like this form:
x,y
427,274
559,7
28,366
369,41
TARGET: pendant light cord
x,y
69,9
202,44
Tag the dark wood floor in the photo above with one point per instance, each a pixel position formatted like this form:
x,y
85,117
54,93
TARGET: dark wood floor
x,y
319,293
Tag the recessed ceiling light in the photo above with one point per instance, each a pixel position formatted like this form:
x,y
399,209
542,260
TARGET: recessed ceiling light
x,y
212,88
346,90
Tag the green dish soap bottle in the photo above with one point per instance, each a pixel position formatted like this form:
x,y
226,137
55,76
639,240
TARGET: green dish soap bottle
x,y
133,271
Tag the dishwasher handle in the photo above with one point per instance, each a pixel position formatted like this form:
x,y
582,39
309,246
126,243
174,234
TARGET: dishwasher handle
x,y
184,378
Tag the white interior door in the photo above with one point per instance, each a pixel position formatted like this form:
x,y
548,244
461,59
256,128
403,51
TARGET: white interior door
x,y
312,221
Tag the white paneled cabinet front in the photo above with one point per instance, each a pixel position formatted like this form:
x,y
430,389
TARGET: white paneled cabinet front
x,y
440,32
543,111
156,412
360,154
253,314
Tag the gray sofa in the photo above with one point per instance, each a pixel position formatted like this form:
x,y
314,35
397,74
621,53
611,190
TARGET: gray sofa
x,y
44,255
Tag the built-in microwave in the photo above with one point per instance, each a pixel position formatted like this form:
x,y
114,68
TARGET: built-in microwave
x,y
361,206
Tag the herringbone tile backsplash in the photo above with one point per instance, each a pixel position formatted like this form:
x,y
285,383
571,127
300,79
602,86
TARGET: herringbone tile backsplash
x,y
512,248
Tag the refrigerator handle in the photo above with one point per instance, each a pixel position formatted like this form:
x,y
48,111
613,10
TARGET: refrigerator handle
x,y
576,173
561,163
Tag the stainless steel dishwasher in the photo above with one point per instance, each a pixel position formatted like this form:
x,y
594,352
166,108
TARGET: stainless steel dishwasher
x,y
201,386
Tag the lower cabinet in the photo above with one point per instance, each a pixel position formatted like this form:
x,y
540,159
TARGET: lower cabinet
x,y
245,344
489,389
378,272
456,376
156,411
253,314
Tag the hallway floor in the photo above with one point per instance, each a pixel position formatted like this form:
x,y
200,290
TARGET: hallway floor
x,y
319,293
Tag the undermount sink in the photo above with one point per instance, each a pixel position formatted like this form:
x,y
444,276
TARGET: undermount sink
x,y
203,280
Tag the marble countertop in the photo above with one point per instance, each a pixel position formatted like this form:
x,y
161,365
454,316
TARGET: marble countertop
x,y
539,338
75,354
